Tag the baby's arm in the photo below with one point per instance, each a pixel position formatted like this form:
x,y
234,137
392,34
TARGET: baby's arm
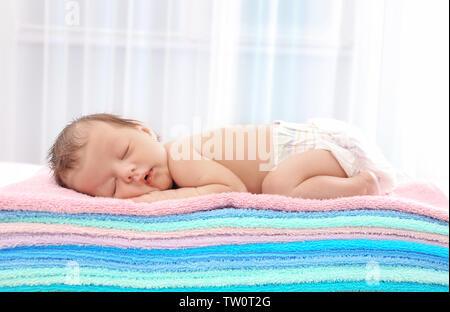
x,y
180,193
197,176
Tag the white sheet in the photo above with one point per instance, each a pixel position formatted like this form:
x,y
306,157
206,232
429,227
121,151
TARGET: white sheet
x,y
13,172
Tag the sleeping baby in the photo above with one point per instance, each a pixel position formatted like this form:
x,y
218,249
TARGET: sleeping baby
x,y
109,156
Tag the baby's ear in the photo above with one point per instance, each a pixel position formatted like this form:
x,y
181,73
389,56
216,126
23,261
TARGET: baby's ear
x,y
148,131
63,176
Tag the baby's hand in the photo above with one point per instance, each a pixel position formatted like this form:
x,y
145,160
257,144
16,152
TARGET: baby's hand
x,y
184,192
149,197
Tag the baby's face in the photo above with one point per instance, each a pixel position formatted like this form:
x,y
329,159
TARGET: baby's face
x,y
116,162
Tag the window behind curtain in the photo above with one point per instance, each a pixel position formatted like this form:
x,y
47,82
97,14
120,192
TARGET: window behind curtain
x,y
161,62
170,63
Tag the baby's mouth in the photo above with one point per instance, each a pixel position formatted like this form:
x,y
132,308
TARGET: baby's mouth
x,y
148,177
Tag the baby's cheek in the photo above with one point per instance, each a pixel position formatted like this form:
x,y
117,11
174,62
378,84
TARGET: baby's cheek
x,y
133,191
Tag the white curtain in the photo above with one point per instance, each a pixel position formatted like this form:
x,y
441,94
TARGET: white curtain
x,y
184,66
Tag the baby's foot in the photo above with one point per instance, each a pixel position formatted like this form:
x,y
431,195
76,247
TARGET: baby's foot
x,y
371,181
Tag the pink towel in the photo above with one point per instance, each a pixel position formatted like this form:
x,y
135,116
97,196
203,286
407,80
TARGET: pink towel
x,y
40,193
29,234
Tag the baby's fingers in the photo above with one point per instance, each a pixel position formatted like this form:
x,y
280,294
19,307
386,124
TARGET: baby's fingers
x,y
141,199
146,198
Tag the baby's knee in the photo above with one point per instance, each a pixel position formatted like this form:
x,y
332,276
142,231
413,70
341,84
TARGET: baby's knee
x,y
275,183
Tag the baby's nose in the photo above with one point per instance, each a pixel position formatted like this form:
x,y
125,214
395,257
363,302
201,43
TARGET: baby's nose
x,y
135,177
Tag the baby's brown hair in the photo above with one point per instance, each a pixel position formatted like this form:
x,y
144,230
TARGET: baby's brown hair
x,y
63,155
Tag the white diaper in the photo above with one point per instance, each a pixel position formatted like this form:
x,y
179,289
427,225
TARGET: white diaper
x,y
346,142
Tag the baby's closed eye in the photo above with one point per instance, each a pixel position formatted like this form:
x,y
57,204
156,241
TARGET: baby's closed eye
x,y
126,152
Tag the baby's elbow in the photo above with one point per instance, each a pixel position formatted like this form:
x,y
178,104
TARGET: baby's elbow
x,y
231,185
238,187
224,188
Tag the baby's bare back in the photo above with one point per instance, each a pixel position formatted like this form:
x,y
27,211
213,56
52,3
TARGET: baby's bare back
x,y
247,151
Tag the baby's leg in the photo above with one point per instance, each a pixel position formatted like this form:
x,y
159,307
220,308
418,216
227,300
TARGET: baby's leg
x,y
316,174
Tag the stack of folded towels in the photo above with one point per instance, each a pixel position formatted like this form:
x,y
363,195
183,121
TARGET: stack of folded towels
x,y
54,239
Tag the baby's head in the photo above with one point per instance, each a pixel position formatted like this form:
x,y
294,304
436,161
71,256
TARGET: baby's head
x,y
105,155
